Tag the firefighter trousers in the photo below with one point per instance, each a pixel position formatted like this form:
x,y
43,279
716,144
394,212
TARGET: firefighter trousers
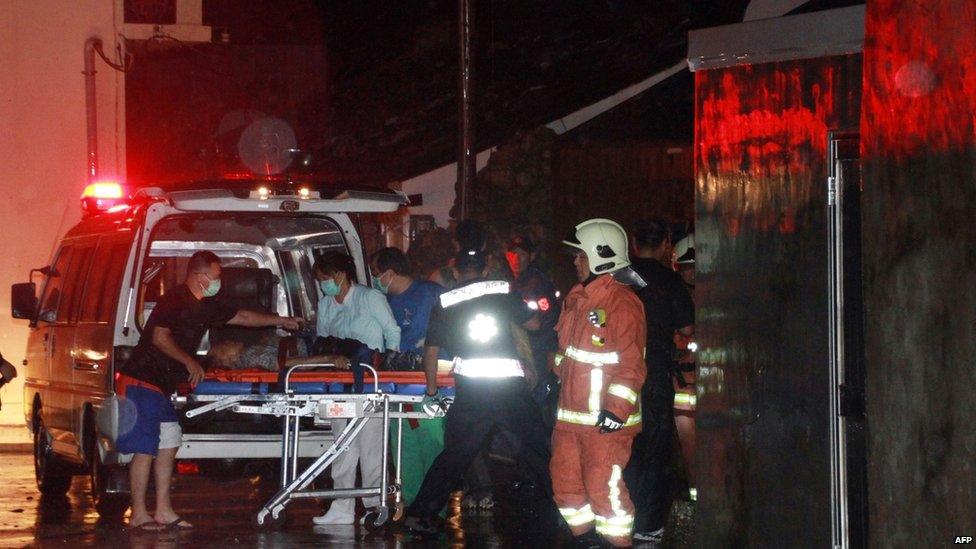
x,y
587,482
480,408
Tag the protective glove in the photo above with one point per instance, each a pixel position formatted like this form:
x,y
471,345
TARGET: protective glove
x,y
432,404
608,422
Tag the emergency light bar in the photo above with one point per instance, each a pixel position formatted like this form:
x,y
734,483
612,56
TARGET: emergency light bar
x,y
304,193
101,196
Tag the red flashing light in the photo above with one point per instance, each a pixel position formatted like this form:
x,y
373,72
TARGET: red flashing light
x,y
103,190
101,196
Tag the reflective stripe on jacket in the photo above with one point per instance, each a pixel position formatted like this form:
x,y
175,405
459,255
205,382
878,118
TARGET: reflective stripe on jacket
x,y
602,332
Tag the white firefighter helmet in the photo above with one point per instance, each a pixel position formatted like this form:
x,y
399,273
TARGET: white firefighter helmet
x,y
684,250
605,244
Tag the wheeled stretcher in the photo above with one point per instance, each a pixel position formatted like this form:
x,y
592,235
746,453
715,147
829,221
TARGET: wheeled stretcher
x,y
318,396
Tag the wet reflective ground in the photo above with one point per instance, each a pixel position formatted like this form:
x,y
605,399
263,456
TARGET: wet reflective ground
x,y
223,512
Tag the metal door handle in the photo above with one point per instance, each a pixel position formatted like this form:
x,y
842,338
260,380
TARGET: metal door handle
x,y
86,366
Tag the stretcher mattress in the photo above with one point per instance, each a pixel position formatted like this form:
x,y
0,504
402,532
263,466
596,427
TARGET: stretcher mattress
x,y
259,382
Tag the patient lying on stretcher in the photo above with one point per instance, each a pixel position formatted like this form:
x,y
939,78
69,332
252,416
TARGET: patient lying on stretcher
x,y
263,354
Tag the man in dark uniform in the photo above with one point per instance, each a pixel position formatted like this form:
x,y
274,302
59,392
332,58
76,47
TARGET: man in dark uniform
x,y
539,294
164,358
669,309
476,324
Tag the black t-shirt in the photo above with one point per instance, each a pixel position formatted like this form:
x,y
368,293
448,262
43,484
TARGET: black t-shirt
x,y
667,305
471,322
188,320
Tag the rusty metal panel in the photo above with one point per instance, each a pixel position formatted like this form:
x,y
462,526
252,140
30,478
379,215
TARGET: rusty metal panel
x,y
761,295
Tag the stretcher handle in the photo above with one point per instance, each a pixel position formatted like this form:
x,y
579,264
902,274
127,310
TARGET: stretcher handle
x,y
376,378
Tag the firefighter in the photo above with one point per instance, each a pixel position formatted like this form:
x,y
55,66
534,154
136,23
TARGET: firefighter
x,y
601,367
477,324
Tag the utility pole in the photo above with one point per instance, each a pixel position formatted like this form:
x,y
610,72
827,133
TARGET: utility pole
x,y
466,153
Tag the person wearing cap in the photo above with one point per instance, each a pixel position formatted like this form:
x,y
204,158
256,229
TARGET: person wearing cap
x,y
477,324
601,367
471,234
669,310
7,372
539,294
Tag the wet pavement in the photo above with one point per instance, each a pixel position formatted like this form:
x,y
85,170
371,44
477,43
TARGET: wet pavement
x,y
223,510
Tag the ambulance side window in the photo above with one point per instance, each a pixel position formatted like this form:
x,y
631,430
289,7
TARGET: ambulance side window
x,y
74,284
52,290
104,281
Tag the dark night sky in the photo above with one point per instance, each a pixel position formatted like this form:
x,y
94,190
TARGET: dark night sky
x,y
393,67
391,106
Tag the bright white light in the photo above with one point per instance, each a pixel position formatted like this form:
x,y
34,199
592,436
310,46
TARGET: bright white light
x,y
483,328
693,346
534,305
263,193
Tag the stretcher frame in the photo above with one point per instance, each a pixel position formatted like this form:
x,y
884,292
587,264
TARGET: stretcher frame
x,y
293,406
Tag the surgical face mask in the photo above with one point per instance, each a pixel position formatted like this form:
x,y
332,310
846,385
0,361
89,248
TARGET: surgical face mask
x,y
212,288
378,284
329,287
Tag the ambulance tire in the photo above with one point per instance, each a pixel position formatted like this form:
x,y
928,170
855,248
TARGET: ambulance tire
x,y
51,479
109,505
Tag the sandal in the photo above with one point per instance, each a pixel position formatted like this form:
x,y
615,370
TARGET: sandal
x,y
148,526
178,524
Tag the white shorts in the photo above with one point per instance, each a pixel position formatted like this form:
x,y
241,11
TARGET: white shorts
x,y
170,435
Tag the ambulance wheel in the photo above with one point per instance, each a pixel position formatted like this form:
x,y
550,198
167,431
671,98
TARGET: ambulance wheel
x,y
108,493
51,479
375,519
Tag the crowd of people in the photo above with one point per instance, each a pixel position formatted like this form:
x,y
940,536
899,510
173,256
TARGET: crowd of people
x,y
583,385
578,391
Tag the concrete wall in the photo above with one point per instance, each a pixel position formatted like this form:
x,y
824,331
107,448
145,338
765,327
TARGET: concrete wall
x,y
919,199
42,141
437,187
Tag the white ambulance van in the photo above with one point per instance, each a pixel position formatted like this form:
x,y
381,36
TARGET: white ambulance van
x,y
86,309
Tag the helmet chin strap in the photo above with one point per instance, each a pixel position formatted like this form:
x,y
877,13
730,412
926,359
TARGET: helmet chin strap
x,y
589,279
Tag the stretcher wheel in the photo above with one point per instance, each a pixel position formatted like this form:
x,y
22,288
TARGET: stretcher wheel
x,y
270,522
398,511
376,519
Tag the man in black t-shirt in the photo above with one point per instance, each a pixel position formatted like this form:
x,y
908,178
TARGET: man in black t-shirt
x,y
477,324
164,358
668,309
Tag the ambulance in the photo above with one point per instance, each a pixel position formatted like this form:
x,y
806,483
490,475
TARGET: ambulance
x,y
86,309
